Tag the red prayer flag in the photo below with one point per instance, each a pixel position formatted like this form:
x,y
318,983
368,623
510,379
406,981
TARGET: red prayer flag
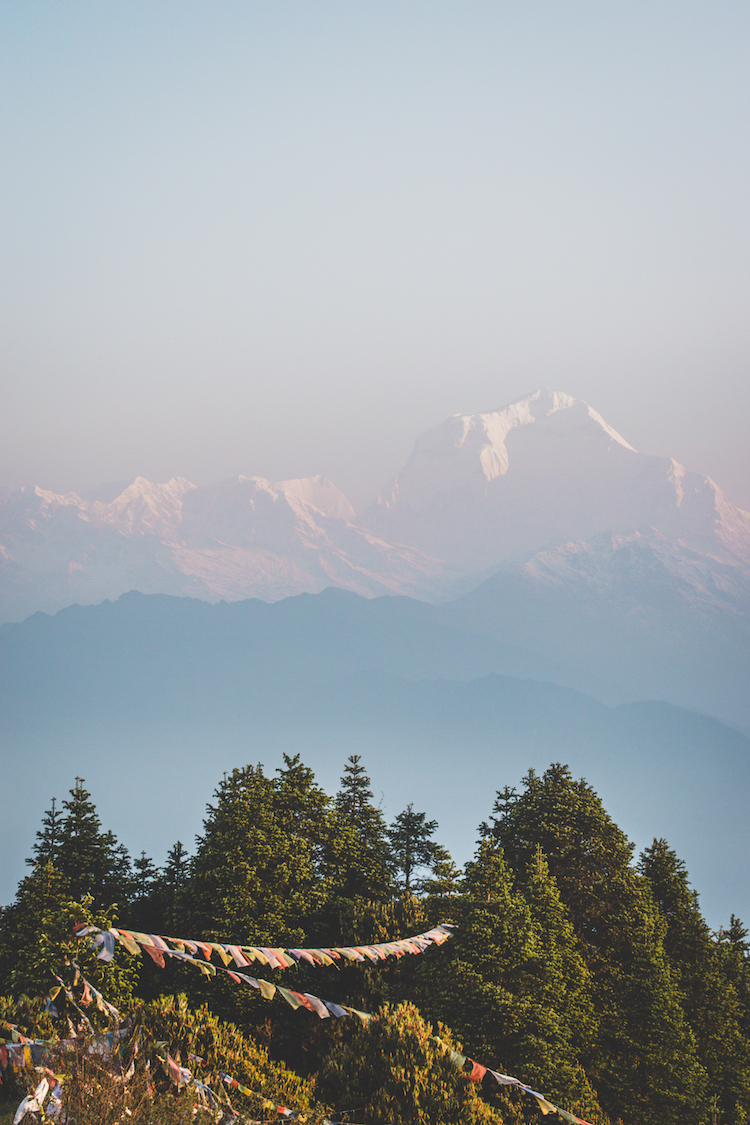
x,y
155,954
303,1000
477,1072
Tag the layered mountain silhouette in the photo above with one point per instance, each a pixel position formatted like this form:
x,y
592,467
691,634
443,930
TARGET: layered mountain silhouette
x,y
151,697
528,588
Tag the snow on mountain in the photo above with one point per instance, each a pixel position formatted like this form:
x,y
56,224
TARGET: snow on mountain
x,y
140,509
253,512
478,490
482,488
241,538
247,537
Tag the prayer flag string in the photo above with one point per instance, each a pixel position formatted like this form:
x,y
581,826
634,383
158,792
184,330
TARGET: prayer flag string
x,y
156,946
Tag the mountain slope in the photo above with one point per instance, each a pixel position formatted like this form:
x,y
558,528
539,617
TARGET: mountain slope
x,y
483,488
478,490
654,619
241,538
156,696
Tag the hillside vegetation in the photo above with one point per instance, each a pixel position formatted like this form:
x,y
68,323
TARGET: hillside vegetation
x,y
585,972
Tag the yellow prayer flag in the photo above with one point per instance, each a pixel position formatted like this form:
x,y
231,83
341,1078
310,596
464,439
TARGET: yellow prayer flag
x,y
226,957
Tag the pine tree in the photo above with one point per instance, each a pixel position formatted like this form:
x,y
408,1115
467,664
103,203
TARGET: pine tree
x,y
358,859
145,874
176,867
36,940
512,981
302,813
566,1020
709,996
733,950
145,911
251,877
412,848
393,1068
91,860
645,1059
588,855
48,837
443,887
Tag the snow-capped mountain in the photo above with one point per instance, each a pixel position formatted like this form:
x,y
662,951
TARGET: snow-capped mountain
x,y
478,491
482,488
238,539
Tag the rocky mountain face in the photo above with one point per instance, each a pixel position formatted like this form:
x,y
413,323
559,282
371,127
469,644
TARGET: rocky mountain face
x,y
483,488
549,529
238,539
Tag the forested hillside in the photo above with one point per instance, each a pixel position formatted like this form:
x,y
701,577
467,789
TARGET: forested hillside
x,y
583,971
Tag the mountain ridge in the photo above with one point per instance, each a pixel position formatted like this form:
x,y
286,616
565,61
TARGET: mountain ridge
x,y
477,490
170,691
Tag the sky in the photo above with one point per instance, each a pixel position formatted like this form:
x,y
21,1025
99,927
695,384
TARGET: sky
x,y
283,238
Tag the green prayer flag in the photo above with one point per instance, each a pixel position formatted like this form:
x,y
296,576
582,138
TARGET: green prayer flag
x,y
364,1016
290,997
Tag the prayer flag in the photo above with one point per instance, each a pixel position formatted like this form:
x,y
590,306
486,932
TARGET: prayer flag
x,y
127,940
292,998
33,1102
477,1072
318,1006
226,957
155,954
335,1009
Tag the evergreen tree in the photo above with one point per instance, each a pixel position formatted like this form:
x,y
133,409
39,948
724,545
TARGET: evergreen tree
x,y
145,874
91,860
170,888
443,887
733,951
512,982
251,878
145,901
709,996
412,848
392,1068
48,837
588,855
302,813
645,1058
36,940
358,858
568,1023
177,866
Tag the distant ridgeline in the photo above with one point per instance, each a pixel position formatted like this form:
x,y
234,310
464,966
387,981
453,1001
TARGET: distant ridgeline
x,y
551,956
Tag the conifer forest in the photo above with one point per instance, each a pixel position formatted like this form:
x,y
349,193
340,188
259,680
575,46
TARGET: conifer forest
x,y
305,959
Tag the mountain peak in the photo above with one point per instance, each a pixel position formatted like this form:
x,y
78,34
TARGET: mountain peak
x,y
174,489
546,409
482,488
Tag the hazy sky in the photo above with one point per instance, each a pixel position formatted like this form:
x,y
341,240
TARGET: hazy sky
x,y
282,238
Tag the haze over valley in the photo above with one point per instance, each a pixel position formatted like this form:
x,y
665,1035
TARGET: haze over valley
x,y
528,588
